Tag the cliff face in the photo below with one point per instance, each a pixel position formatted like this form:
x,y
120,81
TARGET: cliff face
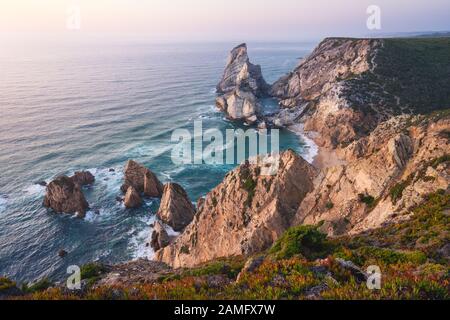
x,y
245,214
386,175
346,87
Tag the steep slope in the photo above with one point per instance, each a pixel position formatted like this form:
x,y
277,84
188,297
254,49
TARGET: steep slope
x,y
387,174
245,214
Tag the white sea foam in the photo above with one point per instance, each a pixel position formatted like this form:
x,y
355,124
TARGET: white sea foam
x,y
111,179
149,151
140,240
100,215
3,203
311,149
34,190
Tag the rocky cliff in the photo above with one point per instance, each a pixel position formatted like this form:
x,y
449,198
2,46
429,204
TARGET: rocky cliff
x,y
385,176
245,214
347,87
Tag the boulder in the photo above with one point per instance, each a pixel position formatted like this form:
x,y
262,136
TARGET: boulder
x,y
141,179
176,209
132,198
83,178
160,237
65,196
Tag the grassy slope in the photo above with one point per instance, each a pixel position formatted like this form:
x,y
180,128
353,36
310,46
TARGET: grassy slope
x,y
409,255
415,69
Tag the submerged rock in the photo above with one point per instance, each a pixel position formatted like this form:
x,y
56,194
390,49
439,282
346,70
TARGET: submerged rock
x,y
62,253
141,179
41,183
176,209
65,196
132,198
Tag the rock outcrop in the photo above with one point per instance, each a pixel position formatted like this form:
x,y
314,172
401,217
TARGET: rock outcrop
x,y
240,73
132,198
386,175
83,178
245,214
141,179
347,87
65,196
160,238
241,86
176,210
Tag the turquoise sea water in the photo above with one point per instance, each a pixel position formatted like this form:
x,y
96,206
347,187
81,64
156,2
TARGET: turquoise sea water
x,y
92,107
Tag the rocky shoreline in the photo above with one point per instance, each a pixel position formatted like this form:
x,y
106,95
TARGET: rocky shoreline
x,y
380,156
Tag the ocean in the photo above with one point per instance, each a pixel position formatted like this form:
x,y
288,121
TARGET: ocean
x,y
93,106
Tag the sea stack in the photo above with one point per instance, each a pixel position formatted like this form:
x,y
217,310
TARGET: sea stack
x,y
176,209
65,196
241,87
142,180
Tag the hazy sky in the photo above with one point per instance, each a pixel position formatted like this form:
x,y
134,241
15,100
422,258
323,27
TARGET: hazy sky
x,y
221,20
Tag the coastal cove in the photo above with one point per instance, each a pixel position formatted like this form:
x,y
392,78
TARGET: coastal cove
x,y
62,125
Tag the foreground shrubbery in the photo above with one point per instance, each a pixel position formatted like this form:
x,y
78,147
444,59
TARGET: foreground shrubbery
x,y
304,264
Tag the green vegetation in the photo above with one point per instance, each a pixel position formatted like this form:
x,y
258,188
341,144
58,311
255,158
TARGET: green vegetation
x,y
367,199
396,191
6,284
408,253
92,272
39,286
306,241
414,69
329,205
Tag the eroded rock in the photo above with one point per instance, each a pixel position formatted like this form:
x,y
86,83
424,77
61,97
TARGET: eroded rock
x,y
245,214
65,196
132,198
176,210
141,179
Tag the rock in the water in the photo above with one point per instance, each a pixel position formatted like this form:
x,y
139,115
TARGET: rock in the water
x,y
241,86
62,253
141,179
245,214
132,198
83,178
160,237
176,209
240,73
65,196
240,105
42,183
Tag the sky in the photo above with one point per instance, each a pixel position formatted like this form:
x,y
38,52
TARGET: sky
x,y
218,20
